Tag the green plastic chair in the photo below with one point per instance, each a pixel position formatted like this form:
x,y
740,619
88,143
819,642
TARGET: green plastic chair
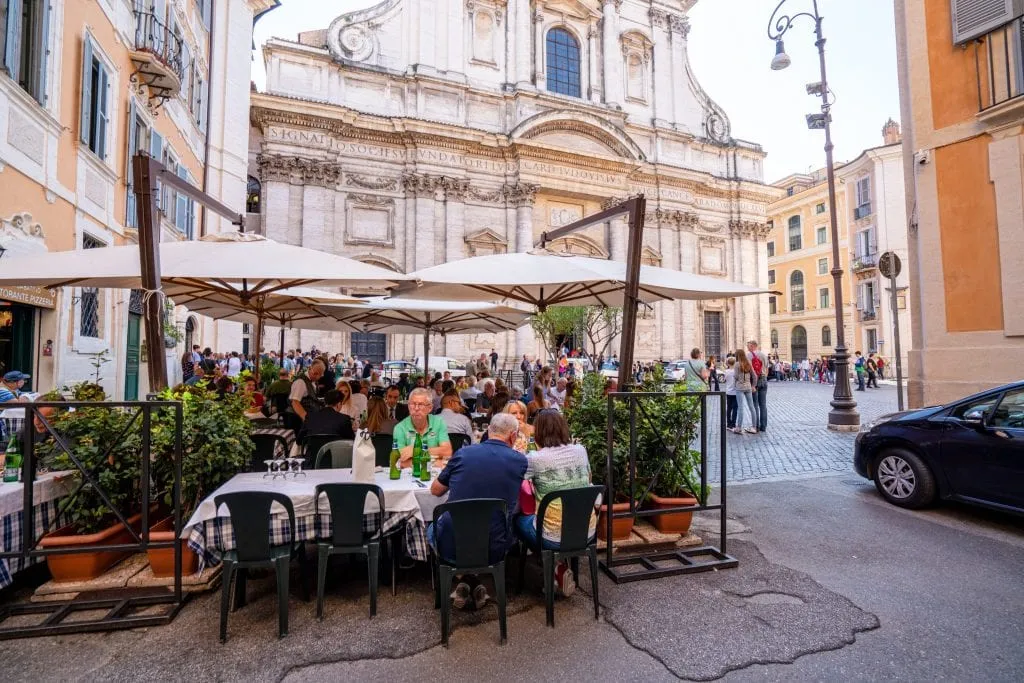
x,y
335,454
347,502
250,519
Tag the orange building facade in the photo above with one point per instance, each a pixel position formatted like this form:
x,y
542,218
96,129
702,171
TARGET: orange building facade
x,y
962,104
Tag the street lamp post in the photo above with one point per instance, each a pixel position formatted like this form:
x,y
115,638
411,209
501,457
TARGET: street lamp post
x,y
843,416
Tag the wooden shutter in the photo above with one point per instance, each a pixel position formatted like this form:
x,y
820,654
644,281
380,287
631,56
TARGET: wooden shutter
x,y
12,39
133,137
86,122
181,202
102,112
156,149
974,18
44,53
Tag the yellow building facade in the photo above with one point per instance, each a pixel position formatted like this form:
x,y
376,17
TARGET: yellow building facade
x,y
962,99
802,315
83,86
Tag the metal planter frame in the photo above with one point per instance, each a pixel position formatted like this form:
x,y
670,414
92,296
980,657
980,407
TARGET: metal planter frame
x,y
640,566
119,605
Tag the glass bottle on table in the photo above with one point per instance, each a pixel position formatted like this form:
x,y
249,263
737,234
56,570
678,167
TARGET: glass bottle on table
x,y
531,445
417,456
396,456
12,461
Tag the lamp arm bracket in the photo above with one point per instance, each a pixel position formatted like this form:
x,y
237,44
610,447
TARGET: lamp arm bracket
x,y
780,23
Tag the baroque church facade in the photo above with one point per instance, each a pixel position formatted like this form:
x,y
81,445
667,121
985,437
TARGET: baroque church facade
x,y
417,132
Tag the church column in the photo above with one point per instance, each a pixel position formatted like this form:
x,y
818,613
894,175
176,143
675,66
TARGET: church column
x,y
320,178
688,247
455,229
523,41
539,75
456,35
662,76
612,53
669,337
618,232
275,175
422,187
523,196
593,52
679,28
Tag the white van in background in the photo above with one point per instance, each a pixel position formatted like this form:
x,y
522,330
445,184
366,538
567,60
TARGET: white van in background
x,y
443,364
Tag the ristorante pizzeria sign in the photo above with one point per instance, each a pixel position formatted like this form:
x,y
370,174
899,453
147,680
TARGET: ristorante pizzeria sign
x,y
33,296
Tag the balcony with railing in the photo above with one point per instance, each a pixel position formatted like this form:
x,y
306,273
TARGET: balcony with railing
x,y
999,61
862,262
867,314
862,211
157,56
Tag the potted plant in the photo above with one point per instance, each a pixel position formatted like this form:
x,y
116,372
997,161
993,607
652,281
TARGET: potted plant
x,y
90,433
215,446
666,428
588,423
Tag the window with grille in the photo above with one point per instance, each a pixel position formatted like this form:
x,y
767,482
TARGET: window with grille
x,y
713,333
253,194
796,291
826,336
775,339
563,56
89,302
795,238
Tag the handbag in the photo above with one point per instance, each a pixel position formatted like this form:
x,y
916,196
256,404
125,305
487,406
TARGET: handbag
x,y
527,501
363,458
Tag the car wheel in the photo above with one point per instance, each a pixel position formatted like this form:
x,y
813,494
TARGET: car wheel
x,y
903,479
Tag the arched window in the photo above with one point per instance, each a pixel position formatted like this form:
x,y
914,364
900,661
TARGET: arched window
x,y
563,55
798,344
253,195
796,291
795,237
775,339
826,336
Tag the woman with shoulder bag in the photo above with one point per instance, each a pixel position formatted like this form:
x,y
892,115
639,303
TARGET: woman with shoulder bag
x,y
695,373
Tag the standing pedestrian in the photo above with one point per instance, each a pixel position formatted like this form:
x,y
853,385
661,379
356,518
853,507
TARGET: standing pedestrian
x,y
695,374
713,374
872,370
746,380
858,368
494,361
759,362
730,393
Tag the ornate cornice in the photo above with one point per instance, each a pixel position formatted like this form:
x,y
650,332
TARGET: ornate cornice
x,y
371,199
420,184
674,218
262,117
455,189
749,229
489,196
677,23
298,170
370,183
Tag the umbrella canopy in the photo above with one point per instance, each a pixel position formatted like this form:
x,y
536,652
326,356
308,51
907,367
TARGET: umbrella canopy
x,y
544,278
283,304
413,316
214,263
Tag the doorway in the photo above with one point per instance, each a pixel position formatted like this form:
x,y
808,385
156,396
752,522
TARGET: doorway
x,y
370,346
798,344
131,358
17,337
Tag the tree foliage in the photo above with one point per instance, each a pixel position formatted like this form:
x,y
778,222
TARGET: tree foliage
x,y
557,321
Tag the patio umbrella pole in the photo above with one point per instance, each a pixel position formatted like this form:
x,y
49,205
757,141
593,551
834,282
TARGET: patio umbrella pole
x,y
149,257
280,358
426,352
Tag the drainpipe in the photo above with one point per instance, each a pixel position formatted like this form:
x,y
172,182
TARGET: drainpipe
x,y
209,108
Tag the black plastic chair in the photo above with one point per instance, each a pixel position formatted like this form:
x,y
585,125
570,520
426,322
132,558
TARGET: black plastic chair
x,y
470,524
470,404
265,448
382,445
312,446
335,455
576,541
348,504
459,441
250,519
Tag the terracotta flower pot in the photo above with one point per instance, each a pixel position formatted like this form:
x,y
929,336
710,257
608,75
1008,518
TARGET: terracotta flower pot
x,y
671,522
161,560
89,565
621,528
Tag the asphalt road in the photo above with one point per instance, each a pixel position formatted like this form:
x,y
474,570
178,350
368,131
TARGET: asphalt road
x,y
833,584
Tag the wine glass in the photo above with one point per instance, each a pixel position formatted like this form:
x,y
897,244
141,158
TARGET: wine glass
x,y
270,468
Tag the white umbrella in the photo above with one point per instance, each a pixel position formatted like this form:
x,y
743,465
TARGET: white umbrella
x,y
412,316
544,278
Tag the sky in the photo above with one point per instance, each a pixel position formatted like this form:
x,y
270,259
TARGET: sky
x,y
730,54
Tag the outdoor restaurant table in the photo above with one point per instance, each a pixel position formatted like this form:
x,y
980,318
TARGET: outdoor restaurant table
x,y
46,496
406,505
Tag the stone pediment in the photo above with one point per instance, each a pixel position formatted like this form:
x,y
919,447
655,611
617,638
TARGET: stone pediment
x,y
579,131
573,8
484,242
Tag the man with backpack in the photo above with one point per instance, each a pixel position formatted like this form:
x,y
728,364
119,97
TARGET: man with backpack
x,y
760,364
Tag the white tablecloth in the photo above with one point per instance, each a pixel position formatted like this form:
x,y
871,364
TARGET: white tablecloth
x,y
400,495
48,487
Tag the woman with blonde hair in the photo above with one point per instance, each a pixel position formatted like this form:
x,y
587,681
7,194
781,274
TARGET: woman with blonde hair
x,y
347,406
517,409
746,381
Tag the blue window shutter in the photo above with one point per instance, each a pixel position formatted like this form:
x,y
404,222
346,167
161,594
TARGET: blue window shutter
x,y
44,52
86,123
12,39
181,203
133,135
156,150
102,112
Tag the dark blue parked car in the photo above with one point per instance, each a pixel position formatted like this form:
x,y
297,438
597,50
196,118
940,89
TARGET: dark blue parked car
x,y
971,450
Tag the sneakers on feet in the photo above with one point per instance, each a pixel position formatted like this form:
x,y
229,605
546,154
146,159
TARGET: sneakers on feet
x,y
564,580
480,596
460,596
750,430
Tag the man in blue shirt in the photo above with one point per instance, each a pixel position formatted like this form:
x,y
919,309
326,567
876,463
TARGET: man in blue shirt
x,y
10,388
491,469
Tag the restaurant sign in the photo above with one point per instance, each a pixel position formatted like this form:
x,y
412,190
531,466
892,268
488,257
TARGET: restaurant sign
x,y
33,296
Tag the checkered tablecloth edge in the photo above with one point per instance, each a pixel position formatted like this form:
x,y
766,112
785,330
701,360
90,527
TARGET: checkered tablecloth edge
x,y
11,526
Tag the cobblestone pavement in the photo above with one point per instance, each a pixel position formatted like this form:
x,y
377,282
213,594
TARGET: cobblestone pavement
x,y
797,442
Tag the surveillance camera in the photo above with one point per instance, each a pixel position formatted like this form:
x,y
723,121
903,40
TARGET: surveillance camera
x,y
922,157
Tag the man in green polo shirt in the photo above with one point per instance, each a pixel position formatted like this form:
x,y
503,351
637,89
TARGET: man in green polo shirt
x,y
431,429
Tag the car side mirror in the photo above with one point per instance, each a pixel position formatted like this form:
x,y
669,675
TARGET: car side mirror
x,y
974,418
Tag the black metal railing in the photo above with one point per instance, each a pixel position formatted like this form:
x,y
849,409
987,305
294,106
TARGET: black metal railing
x,y
638,566
122,608
868,314
153,36
862,211
999,62
866,261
